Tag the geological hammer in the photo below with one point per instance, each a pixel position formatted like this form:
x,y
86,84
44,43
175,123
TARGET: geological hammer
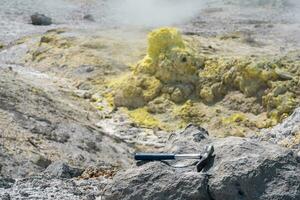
x,y
203,157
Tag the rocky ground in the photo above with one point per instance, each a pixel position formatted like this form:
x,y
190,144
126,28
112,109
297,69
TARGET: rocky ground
x,y
240,169
62,135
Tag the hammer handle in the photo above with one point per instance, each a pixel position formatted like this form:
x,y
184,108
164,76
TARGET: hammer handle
x,y
154,156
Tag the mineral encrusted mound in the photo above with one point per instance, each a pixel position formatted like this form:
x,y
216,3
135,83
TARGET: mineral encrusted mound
x,y
240,169
175,77
168,61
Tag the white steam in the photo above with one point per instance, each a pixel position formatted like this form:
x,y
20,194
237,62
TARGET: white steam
x,y
151,13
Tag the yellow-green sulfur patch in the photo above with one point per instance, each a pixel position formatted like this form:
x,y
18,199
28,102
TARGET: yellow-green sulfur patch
x,y
235,118
163,40
136,91
142,117
168,58
168,61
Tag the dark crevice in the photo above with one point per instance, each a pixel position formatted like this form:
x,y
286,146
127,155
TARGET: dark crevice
x,y
241,193
208,190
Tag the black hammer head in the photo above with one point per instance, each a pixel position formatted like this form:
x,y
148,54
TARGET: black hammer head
x,y
209,150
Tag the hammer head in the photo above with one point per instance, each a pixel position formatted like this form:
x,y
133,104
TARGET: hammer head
x,y
209,150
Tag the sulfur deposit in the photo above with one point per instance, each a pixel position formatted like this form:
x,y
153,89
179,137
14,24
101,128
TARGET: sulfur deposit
x,y
177,85
179,81
170,67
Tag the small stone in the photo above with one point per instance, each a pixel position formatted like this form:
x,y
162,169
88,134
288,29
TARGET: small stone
x,y
24,194
77,192
40,20
43,162
177,96
83,94
91,145
284,75
90,197
60,169
89,17
60,137
84,69
84,86
6,182
279,90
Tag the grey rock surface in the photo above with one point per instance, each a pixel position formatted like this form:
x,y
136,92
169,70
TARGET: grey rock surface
x,y
156,180
240,169
6,182
59,181
286,133
42,187
5,196
62,170
37,121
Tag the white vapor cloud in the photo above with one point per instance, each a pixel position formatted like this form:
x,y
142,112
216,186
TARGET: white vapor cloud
x,y
151,13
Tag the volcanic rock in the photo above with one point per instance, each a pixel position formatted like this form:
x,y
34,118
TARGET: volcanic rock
x,y
40,19
6,182
89,17
240,169
62,170
287,133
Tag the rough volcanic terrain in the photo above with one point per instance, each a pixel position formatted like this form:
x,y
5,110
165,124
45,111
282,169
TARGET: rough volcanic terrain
x,y
80,96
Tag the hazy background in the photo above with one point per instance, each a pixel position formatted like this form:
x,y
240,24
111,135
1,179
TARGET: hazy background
x,y
153,12
135,12
214,15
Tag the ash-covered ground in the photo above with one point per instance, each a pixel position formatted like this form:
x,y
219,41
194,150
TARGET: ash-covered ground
x,y
64,134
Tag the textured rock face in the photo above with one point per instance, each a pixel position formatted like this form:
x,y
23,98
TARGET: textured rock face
x,y
157,181
41,120
286,133
246,170
58,182
240,169
62,170
41,187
